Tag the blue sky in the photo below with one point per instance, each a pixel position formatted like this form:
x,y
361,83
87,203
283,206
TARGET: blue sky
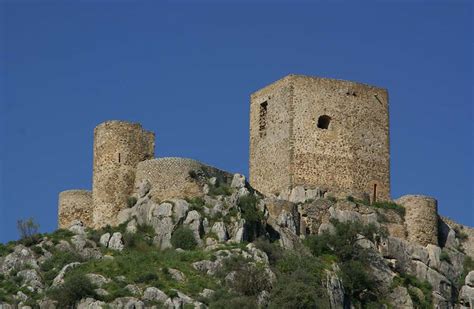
x,y
185,70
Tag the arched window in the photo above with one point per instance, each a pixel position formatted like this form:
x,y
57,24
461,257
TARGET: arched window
x,y
323,122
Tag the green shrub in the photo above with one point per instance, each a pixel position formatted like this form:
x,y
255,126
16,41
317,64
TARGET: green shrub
x,y
147,278
390,205
444,257
223,299
220,189
37,250
351,199
468,265
253,217
273,250
250,280
53,265
28,230
183,238
353,260
425,287
60,234
131,201
75,288
6,249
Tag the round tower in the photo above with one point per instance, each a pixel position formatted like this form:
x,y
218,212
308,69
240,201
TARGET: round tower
x,y
74,205
118,147
421,218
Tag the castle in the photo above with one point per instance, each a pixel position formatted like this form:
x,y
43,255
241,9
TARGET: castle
x,y
305,132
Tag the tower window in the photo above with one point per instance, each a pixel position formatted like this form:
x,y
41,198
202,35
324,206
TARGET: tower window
x,y
323,122
262,121
119,158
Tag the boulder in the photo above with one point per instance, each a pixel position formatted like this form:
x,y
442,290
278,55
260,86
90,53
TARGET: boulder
x,y
142,188
104,239
220,230
155,294
194,222
238,181
177,275
116,242
163,229
399,298
77,227
97,280
180,209
20,258
59,279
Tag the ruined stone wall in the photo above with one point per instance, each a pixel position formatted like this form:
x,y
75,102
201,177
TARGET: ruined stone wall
x,y
177,177
270,133
74,205
421,218
350,151
118,147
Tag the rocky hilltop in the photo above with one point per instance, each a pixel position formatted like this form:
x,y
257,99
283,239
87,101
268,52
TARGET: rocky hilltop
x,y
232,247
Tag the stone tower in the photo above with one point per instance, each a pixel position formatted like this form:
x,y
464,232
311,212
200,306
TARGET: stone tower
x,y
118,147
319,132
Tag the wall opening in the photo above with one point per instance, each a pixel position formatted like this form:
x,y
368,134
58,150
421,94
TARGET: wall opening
x,y
262,121
374,196
119,158
323,122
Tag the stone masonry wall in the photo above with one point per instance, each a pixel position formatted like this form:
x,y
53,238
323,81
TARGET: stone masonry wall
x,y
421,218
74,205
270,145
171,178
351,155
118,147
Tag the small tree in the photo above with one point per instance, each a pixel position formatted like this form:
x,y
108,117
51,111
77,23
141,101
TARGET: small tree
x,y
183,238
28,230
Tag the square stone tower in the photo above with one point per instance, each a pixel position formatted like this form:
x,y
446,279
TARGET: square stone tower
x,y
319,132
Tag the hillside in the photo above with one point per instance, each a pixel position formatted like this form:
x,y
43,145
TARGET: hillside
x,y
235,248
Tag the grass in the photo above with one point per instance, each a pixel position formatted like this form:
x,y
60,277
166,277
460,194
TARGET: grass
x,y
145,268
409,282
390,205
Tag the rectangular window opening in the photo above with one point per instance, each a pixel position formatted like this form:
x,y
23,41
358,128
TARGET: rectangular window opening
x,y
262,122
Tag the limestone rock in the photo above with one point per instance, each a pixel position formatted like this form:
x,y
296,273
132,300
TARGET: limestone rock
x,y
97,280
59,279
238,181
177,275
90,303
220,230
142,188
77,227
134,289
20,258
335,289
194,222
466,296
180,209
104,239
163,230
127,303
469,280
207,293
155,294
116,242
399,298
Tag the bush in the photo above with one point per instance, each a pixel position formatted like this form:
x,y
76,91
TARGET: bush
x,y
146,278
353,260
183,238
444,256
131,201
390,205
253,217
28,230
75,288
411,282
220,189
53,265
273,250
223,299
250,280
461,235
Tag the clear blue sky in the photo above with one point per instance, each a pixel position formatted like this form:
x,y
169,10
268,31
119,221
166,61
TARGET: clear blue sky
x,y
185,70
